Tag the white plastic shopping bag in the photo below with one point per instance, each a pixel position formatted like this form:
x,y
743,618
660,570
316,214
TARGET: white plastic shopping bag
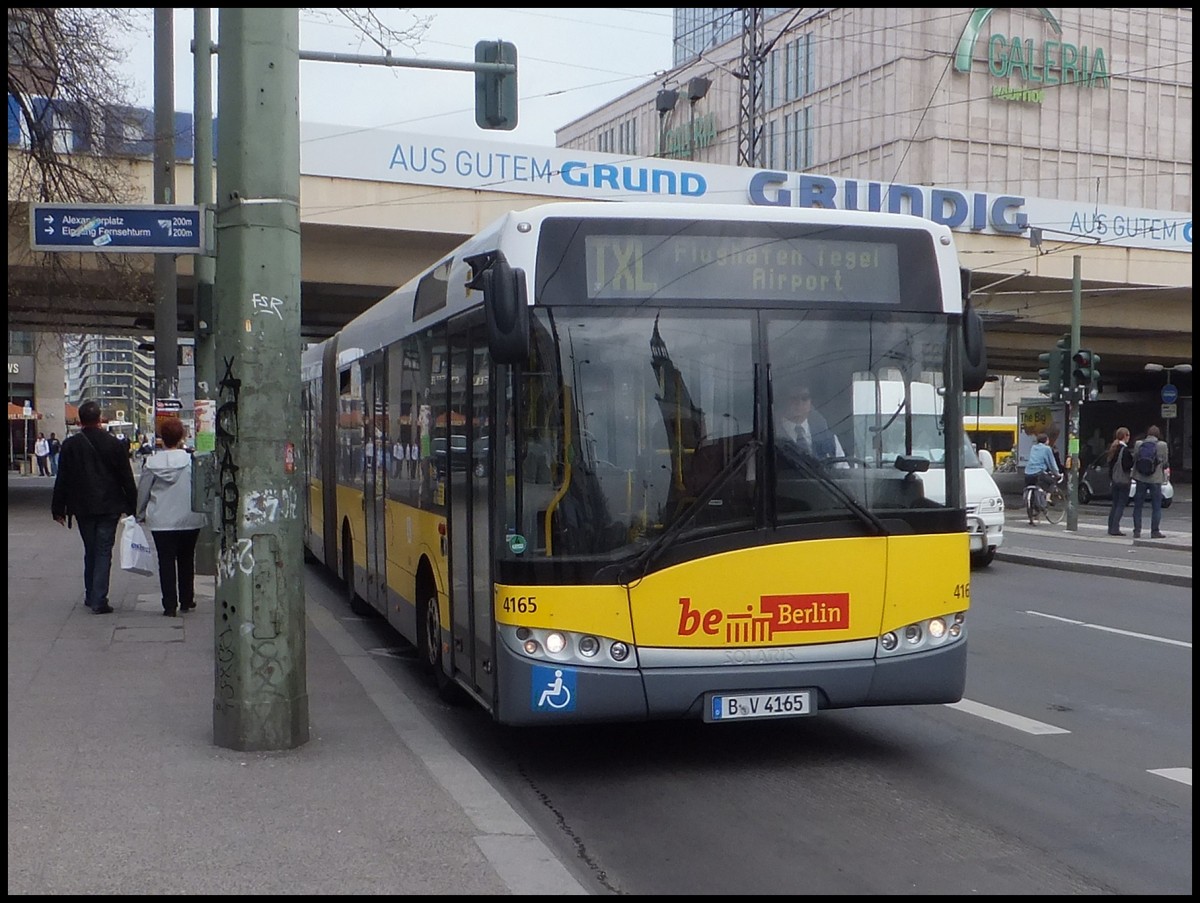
x,y
137,552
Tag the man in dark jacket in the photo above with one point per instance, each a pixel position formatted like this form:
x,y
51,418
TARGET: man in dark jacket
x,y
95,486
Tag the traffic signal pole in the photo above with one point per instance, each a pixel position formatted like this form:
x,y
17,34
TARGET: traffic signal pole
x,y
260,695
205,267
1074,396
166,288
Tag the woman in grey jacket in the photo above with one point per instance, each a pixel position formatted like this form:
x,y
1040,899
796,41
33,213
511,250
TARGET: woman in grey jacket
x,y
165,506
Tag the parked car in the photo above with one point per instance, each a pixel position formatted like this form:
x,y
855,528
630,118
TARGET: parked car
x,y
1096,485
458,453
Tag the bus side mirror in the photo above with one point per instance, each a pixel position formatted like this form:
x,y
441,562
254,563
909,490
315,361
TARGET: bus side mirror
x,y
974,350
507,312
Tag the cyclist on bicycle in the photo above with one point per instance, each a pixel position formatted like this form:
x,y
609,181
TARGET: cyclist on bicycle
x,y
1042,461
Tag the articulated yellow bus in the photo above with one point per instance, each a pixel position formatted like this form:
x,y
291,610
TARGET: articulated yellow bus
x,y
554,462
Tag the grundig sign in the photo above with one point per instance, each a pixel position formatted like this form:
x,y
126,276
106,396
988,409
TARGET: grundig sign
x,y
1038,62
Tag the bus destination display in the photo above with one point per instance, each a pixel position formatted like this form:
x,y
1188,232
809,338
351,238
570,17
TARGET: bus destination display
x,y
741,268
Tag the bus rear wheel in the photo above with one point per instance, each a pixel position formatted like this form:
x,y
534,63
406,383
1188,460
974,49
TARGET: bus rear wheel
x,y
358,605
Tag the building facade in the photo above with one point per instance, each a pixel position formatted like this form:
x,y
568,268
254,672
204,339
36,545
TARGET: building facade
x,y
118,372
1088,104
110,370
35,394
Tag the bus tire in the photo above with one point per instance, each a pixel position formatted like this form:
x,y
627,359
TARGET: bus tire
x,y
429,640
984,558
358,605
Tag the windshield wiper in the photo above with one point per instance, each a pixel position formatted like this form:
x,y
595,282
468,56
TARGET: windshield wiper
x,y
891,420
646,558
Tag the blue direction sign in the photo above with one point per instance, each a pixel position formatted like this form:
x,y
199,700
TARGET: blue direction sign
x,y
1170,394
125,228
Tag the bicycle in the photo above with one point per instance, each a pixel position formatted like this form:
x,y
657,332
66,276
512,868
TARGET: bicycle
x,y
1047,499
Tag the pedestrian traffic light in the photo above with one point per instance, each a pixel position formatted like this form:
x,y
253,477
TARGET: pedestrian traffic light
x,y
1086,370
496,92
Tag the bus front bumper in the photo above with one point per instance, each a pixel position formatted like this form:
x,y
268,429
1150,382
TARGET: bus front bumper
x,y
529,694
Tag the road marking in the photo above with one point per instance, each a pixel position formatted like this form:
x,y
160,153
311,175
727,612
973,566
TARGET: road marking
x,y
1140,636
1008,719
1182,775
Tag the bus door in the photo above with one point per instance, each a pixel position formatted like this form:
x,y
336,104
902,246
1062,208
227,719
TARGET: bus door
x,y
468,435
376,447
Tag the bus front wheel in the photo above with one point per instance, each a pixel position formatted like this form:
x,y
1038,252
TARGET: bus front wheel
x,y
430,647
984,558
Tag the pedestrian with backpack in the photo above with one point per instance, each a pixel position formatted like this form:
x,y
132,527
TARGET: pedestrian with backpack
x,y
1149,474
1120,471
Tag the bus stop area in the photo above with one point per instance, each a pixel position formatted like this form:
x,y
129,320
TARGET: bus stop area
x,y
115,784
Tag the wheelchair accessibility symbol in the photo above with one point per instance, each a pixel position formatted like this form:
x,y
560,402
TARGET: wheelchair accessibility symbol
x,y
553,689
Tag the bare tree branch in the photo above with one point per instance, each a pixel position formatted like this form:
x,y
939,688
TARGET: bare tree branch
x,y
370,27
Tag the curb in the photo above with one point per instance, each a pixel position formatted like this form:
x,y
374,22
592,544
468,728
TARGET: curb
x,y
1062,561
1173,545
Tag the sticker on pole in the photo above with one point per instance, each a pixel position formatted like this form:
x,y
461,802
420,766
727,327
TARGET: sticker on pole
x,y
289,458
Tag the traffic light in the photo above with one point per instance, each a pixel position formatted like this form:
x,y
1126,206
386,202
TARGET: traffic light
x,y
496,92
1051,374
1054,370
1086,370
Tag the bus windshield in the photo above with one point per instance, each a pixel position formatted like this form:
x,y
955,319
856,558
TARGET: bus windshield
x,y
625,418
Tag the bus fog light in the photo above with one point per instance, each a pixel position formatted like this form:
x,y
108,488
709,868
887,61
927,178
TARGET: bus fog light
x,y
888,641
912,634
531,647
619,651
524,633
955,630
588,646
555,643
937,628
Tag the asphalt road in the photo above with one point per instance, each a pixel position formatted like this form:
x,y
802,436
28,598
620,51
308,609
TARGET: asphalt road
x,y
1066,770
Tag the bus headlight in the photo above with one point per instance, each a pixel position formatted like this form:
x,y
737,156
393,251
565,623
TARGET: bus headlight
x,y
565,647
922,636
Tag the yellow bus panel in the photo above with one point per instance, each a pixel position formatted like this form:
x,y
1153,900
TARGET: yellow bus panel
x,y
599,610
928,575
788,594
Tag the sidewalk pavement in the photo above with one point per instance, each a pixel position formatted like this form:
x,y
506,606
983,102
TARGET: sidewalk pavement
x,y
1089,548
115,785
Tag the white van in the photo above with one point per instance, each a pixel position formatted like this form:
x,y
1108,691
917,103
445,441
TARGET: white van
x,y
985,505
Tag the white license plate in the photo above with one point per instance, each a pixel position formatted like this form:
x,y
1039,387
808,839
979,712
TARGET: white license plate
x,y
771,704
